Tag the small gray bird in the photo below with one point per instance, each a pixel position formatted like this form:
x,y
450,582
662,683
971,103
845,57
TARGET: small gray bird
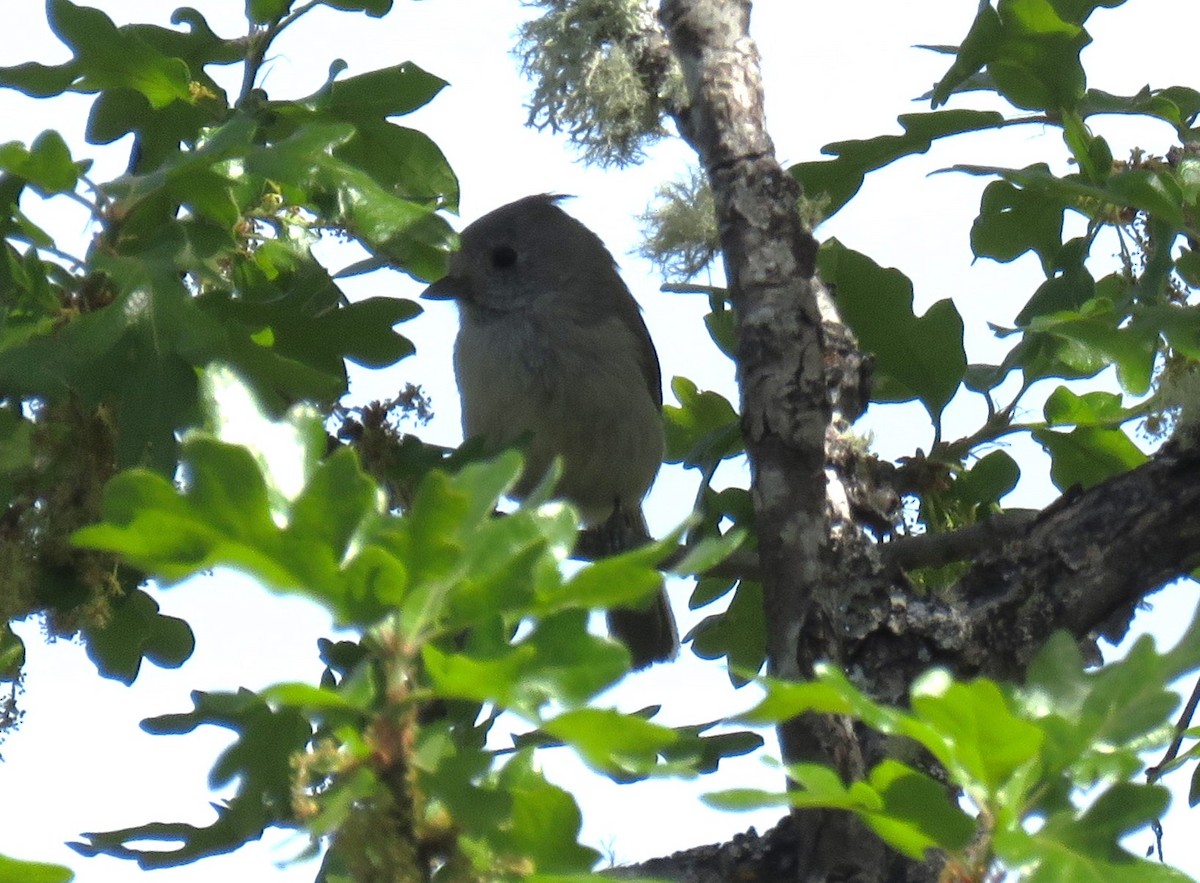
x,y
552,351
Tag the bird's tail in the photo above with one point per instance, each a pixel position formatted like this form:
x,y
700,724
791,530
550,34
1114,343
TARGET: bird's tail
x,y
648,632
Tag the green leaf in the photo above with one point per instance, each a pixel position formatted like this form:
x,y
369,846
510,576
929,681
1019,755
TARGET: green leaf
x,y
1131,348
330,509
501,570
703,429
908,809
829,693
1030,51
983,740
390,91
917,812
1066,408
740,633
405,162
16,871
1176,105
628,579
722,328
464,565
135,356
558,660
705,753
266,11
364,330
159,130
452,768
1057,673
545,821
925,354
1013,221
407,231
1097,722
373,8
286,333
709,589
745,799
989,479
1090,152
224,517
1041,355
1130,699
47,164
1069,288
310,698
977,49
1154,192
39,80
1087,455
110,58
1036,62
1188,265
833,183
709,552
1074,845
610,741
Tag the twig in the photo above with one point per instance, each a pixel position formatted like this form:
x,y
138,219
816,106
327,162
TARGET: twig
x,y
937,549
259,38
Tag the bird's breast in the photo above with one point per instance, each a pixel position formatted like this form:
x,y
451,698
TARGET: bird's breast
x,y
575,391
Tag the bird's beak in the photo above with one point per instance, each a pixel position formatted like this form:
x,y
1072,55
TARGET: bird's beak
x,y
447,288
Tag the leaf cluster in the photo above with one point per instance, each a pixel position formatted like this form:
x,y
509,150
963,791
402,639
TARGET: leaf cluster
x,y
1019,757
464,617
201,252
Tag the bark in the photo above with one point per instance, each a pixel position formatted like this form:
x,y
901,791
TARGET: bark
x,y
1083,564
791,399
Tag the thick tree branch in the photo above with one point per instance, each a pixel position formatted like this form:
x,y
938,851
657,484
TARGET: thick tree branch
x,y
769,266
788,335
965,544
1084,564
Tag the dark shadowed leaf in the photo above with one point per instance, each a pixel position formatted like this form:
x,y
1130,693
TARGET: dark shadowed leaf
x,y
136,631
832,183
259,761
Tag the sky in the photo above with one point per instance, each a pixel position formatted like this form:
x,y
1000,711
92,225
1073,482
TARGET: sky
x,y
832,71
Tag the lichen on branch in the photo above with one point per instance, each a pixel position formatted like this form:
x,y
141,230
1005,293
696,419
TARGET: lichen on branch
x,y
602,73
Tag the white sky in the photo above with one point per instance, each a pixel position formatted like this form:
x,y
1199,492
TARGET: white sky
x,y
833,71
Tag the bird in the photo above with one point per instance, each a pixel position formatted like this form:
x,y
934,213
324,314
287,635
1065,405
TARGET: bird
x,y
552,352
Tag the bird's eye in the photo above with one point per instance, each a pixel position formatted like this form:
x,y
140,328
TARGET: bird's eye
x,y
503,257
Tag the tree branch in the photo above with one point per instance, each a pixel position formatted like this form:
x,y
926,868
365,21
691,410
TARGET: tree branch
x,y
769,264
794,386
965,544
1084,564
